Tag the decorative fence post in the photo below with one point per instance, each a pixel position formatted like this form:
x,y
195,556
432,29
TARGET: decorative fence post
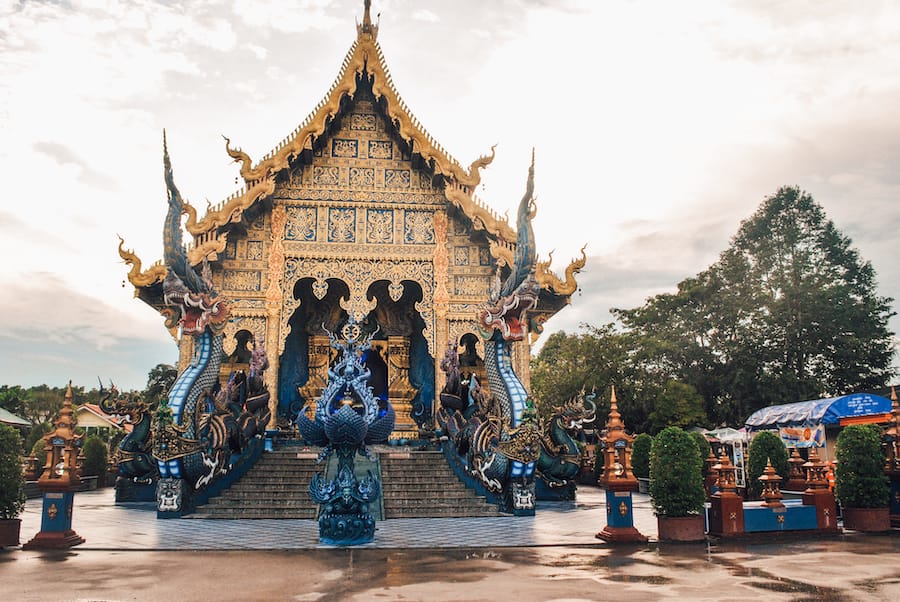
x,y
619,481
726,515
59,482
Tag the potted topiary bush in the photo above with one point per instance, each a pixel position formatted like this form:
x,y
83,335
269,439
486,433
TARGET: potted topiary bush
x,y
860,482
676,486
765,447
95,460
640,461
12,486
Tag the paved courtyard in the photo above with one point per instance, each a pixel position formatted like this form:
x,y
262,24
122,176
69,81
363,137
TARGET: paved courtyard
x,y
106,526
130,555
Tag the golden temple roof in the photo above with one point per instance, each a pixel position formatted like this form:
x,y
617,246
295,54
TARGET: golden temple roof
x,y
364,59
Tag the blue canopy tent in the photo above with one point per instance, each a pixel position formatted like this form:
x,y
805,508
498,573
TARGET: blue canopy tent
x,y
803,424
832,410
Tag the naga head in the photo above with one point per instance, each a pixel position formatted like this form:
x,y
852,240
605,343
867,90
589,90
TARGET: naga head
x,y
193,302
511,299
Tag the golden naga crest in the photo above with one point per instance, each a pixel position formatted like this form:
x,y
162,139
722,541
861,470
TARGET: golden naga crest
x,y
170,443
524,443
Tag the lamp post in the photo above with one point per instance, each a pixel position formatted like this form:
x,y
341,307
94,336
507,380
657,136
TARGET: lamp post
x,y
618,480
58,483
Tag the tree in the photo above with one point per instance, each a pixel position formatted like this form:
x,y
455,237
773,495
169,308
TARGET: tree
x,y
593,360
12,485
12,399
159,380
766,447
640,456
677,405
859,476
702,444
95,458
789,312
676,479
42,403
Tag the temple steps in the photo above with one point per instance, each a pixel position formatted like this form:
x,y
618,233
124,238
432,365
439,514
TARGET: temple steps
x,y
415,484
420,484
276,487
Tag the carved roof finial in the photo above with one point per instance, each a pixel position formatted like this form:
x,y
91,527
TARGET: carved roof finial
x,y
166,162
367,27
614,422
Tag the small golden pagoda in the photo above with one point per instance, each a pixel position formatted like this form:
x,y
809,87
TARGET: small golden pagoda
x,y
357,212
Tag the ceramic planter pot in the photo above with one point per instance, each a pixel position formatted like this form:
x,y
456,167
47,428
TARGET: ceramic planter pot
x,y
681,528
9,532
867,519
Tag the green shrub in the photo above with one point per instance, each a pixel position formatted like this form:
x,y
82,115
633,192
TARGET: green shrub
x,y
766,446
702,444
640,456
860,481
12,484
39,450
95,458
36,433
676,482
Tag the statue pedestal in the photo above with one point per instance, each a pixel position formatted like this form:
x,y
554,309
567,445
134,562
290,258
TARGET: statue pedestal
x,y
726,514
826,508
620,515
56,523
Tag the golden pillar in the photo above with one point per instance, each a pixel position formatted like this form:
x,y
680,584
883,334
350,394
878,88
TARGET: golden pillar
x,y
274,308
441,299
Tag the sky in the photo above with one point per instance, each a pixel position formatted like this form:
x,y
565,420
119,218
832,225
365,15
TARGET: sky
x,y
657,127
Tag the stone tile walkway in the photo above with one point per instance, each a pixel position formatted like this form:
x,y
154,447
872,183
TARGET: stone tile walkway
x,y
106,526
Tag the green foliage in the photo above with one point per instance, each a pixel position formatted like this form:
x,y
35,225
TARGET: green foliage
x,y
766,446
12,483
702,444
788,312
860,481
36,433
640,456
42,403
12,399
594,359
159,380
677,405
95,458
676,480
39,449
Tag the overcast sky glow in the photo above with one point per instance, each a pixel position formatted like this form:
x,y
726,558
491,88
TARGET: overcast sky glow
x,y
658,126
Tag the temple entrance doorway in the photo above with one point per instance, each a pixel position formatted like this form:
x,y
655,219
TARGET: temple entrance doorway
x,y
402,370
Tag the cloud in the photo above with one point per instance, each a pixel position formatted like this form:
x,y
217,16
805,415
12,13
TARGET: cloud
x,y
63,155
293,17
42,307
425,15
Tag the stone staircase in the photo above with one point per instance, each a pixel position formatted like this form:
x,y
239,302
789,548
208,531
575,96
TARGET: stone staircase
x,y
276,487
415,484
420,484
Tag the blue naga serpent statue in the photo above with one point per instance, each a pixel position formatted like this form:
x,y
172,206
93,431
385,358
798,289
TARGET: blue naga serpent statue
x,y
501,438
201,426
132,456
348,417
560,460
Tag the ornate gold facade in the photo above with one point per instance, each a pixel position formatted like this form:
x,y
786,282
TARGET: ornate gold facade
x,y
357,212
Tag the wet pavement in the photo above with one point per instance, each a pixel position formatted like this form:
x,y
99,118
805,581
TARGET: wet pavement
x,y
130,555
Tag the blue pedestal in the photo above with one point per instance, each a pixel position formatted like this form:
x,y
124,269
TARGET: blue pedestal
x,y
620,519
793,516
56,523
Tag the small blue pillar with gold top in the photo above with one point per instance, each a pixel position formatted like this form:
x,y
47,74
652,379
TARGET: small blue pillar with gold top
x,y
618,480
59,482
